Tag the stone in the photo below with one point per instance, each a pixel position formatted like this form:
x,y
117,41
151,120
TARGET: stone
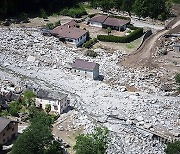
x,y
139,118
31,59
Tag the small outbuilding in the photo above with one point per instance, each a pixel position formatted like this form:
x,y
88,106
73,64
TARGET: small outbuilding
x,y
84,68
177,47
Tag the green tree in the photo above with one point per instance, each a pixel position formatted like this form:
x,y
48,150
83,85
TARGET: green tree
x,y
4,113
36,116
177,79
106,5
108,30
34,140
54,148
14,108
28,98
173,148
95,143
48,108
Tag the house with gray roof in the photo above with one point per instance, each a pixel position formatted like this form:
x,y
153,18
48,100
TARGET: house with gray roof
x,y
85,68
58,101
8,130
105,21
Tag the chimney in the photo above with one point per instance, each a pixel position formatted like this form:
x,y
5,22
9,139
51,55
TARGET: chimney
x,y
68,26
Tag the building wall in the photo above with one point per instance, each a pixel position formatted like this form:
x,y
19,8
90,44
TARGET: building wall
x,y
57,106
9,132
96,72
84,73
81,40
96,24
177,48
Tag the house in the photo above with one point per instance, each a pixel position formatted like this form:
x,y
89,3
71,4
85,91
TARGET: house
x,y
97,20
56,100
84,68
105,21
8,130
177,47
70,33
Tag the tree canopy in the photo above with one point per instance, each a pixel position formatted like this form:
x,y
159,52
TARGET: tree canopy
x,y
173,148
95,143
37,138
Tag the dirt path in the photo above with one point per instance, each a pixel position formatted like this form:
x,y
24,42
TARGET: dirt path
x,y
143,56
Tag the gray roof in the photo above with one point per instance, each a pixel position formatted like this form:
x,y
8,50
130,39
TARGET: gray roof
x,y
84,65
99,18
50,95
4,122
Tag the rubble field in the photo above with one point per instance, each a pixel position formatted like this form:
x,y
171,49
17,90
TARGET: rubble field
x,y
134,118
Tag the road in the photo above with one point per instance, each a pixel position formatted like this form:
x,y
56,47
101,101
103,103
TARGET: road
x,y
143,56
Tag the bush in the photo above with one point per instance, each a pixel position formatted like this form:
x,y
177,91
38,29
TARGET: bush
x,y
49,26
24,17
125,39
58,23
75,12
91,53
43,14
91,15
90,43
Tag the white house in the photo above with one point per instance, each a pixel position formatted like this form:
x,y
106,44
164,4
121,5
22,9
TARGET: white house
x,y
105,21
97,20
57,100
69,32
84,68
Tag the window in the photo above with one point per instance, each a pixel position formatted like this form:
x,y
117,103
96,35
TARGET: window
x,y
3,134
13,129
3,140
85,72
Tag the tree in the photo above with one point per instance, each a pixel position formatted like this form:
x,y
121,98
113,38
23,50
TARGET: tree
x,y
33,140
95,143
28,98
37,138
4,113
173,148
106,5
48,108
108,30
177,78
14,108
36,116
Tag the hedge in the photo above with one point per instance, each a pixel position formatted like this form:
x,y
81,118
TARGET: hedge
x,y
90,43
125,39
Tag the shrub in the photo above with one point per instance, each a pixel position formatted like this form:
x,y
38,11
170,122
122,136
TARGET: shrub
x,y
91,15
125,39
24,17
58,23
49,26
75,12
43,14
91,53
90,43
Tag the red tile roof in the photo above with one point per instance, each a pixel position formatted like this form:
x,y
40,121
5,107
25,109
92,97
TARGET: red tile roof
x,y
99,18
69,30
85,65
115,22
